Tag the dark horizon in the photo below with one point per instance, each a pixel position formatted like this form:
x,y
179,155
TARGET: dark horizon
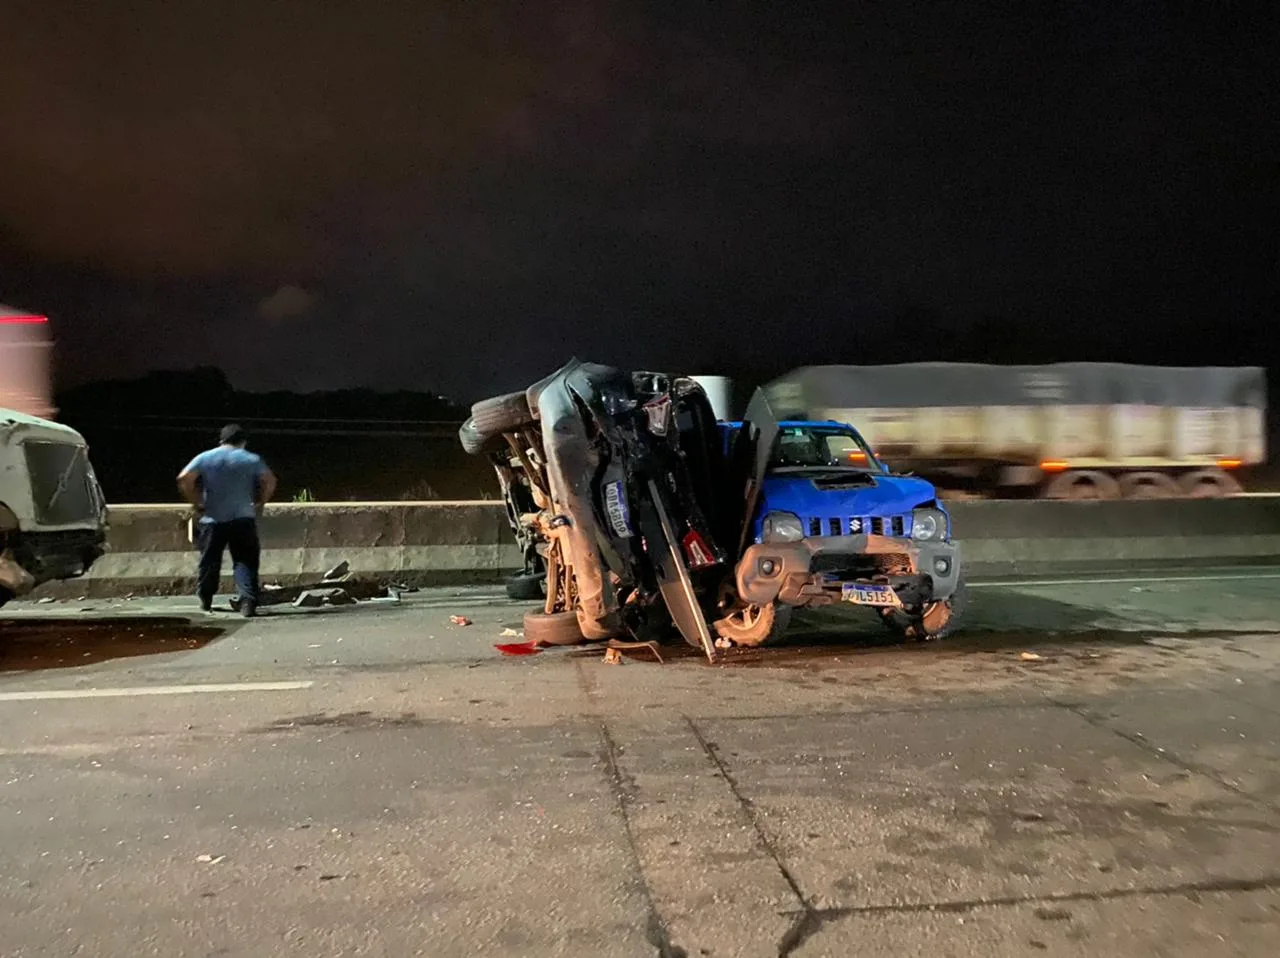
x,y
477,195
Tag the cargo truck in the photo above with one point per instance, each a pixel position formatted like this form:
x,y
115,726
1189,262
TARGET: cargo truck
x,y
1061,431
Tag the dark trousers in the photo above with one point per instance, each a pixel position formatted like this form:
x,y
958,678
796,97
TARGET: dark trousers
x,y
241,537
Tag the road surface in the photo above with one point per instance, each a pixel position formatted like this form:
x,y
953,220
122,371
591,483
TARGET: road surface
x,y
1093,768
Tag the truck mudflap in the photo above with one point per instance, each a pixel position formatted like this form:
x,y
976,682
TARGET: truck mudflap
x,y
809,572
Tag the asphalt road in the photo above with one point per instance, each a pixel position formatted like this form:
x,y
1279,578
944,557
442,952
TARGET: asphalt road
x,y
1093,768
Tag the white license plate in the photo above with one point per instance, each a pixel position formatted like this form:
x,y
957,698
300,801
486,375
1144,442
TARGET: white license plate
x,y
860,594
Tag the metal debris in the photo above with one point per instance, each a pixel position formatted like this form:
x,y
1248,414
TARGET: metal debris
x,y
338,586
314,598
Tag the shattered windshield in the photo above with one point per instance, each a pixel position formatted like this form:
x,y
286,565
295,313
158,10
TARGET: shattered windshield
x,y
821,447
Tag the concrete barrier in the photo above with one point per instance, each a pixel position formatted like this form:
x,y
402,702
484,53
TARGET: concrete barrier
x,y
417,543
424,543
1036,538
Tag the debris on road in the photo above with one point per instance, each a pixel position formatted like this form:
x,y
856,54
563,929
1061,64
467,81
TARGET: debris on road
x,y
338,586
1031,657
509,632
613,649
519,648
210,859
314,598
459,620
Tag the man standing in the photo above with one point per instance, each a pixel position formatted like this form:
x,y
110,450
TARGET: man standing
x,y
228,486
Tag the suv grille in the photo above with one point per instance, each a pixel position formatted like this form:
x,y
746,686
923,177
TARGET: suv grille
x,y
856,525
52,465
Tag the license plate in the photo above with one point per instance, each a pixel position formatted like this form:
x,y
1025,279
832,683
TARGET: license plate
x,y
860,594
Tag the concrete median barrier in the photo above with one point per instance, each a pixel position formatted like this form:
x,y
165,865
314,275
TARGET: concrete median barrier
x,y
416,543
431,543
1036,538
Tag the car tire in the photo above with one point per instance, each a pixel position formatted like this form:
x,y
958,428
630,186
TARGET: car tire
x,y
940,620
5,595
501,414
555,628
754,625
474,442
527,587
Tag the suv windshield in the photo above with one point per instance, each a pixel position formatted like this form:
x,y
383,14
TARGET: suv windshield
x,y
821,447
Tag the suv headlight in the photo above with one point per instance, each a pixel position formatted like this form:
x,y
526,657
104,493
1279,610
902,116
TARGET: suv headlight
x,y
782,527
928,524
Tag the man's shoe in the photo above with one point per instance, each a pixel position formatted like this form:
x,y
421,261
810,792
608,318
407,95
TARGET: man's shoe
x,y
248,609
206,605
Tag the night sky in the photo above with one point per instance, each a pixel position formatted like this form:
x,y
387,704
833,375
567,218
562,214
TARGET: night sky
x,y
458,196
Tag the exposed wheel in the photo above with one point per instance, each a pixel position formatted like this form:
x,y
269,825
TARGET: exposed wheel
x,y
1148,485
753,625
527,588
474,441
1082,484
501,414
937,620
1209,484
5,596
556,628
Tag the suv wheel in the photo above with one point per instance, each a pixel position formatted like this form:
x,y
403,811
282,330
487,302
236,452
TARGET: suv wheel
x,y
936,620
753,625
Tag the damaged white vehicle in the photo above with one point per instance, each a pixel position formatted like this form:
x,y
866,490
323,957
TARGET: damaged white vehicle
x,y
53,516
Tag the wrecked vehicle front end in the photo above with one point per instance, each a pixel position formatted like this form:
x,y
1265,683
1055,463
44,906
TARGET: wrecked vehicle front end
x,y
622,468
830,523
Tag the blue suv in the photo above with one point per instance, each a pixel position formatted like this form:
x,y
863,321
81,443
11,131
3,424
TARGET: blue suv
x,y
830,523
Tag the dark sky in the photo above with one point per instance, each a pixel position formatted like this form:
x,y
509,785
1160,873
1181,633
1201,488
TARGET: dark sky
x,y
459,195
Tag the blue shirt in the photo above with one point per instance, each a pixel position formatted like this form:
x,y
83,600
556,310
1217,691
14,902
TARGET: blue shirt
x,y
229,477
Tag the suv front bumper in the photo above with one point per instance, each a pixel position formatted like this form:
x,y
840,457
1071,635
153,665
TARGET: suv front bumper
x,y
795,573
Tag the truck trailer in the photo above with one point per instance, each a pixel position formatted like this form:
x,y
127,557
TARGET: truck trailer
x,y
1060,431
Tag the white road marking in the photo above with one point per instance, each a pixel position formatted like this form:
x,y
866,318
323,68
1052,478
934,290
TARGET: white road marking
x,y
153,690
1108,580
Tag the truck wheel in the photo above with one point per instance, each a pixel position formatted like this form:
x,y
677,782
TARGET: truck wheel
x,y
527,588
1081,484
937,620
556,628
754,625
1148,485
1209,484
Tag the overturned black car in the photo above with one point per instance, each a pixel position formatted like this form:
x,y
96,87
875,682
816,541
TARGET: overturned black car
x,y
637,511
